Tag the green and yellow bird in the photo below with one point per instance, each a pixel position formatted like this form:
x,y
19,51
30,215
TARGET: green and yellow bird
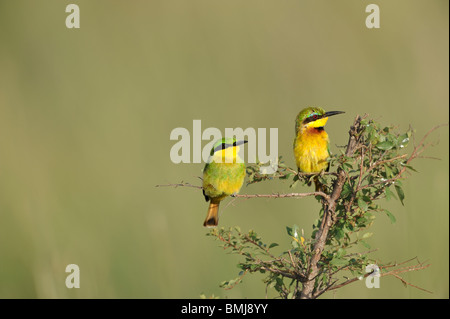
x,y
223,176
311,143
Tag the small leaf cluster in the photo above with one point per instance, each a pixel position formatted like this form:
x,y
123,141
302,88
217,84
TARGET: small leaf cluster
x,y
282,273
255,172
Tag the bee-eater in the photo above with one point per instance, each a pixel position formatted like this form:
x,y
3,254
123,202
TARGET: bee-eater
x,y
311,143
223,176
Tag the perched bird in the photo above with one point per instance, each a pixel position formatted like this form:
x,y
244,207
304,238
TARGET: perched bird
x,y
223,176
311,144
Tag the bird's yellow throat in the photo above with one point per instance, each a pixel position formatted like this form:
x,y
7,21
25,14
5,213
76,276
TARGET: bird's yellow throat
x,y
228,155
318,123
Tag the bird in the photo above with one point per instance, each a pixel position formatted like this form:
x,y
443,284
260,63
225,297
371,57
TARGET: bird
x,y
311,142
223,176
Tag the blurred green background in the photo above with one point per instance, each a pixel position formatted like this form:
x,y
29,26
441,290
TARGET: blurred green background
x,y
85,118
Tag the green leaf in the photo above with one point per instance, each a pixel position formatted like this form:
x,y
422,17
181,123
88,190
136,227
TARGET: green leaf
x,y
410,167
365,244
338,262
339,234
289,231
400,193
362,204
386,145
288,175
340,253
347,166
346,190
388,171
273,245
389,193
391,216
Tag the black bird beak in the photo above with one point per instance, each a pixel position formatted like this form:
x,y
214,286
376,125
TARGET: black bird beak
x,y
237,143
331,113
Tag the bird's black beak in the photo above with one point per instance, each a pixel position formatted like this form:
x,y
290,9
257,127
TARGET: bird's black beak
x,y
237,143
331,113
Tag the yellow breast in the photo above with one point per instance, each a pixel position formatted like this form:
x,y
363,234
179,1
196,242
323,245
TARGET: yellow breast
x,y
311,150
224,175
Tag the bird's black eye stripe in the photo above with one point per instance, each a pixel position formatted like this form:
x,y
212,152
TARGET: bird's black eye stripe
x,y
223,146
313,117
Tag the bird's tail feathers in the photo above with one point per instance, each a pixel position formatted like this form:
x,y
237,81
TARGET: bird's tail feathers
x,y
212,217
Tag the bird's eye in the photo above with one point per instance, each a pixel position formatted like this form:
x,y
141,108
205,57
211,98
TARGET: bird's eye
x,y
314,116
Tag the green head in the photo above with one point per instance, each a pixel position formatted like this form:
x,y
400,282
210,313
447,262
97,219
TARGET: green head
x,y
226,143
313,117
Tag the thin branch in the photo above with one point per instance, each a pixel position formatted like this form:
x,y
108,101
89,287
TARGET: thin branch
x,y
182,184
273,195
415,154
393,272
329,287
402,263
410,284
278,195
